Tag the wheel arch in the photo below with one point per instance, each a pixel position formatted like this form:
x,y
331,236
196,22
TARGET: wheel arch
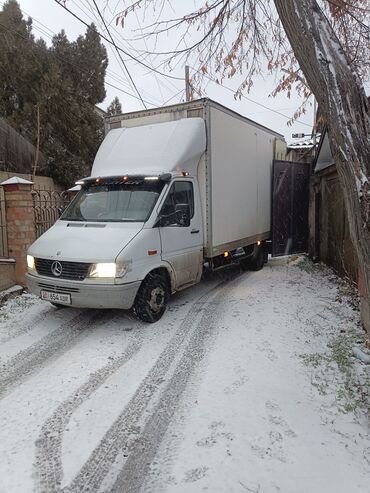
x,y
165,272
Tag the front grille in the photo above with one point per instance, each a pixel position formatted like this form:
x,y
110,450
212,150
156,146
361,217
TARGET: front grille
x,y
57,289
75,271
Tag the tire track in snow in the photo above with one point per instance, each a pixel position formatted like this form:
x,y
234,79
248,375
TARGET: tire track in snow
x,y
28,361
20,330
125,429
142,451
49,444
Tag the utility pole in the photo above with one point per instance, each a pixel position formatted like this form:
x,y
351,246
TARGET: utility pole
x,y
37,144
188,91
314,122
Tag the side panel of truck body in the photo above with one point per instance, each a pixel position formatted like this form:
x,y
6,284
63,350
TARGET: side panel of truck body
x,y
234,175
241,156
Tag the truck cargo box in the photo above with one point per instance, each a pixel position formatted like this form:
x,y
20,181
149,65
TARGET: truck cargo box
x,y
234,173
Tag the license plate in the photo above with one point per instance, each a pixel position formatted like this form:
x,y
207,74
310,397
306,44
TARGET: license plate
x,y
56,297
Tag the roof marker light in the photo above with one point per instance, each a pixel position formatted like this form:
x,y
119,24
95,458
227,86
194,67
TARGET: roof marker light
x,y
185,173
125,178
258,242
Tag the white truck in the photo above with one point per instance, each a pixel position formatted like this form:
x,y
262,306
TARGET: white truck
x,y
170,189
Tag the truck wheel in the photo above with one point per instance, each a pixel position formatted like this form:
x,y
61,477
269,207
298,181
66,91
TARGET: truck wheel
x,y
151,299
245,264
258,262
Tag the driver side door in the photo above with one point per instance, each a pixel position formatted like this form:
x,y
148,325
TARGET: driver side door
x,y
182,245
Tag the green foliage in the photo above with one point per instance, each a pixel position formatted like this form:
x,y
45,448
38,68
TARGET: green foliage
x,y
65,81
350,391
115,108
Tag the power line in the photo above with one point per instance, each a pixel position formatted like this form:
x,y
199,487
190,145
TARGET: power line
x,y
160,81
174,96
119,38
50,35
118,53
58,2
249,99
75,65
146,47
116,76
110,73
129,94
150,68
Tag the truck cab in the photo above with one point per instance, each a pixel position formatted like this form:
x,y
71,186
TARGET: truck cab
x,y
133,234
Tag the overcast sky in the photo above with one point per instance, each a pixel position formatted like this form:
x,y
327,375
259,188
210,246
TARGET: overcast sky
x,y
156,90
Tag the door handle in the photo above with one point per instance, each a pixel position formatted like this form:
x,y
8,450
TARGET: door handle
x,y
193,231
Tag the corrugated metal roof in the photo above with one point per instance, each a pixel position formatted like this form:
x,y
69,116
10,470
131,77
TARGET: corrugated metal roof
x,y
304,143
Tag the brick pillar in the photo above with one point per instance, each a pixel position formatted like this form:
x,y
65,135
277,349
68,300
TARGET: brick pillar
x,y
20,223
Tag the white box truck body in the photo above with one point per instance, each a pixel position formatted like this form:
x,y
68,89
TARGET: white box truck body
x,y
170,190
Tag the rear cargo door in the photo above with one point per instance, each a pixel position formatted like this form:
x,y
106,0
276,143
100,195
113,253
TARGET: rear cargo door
x,y
290,196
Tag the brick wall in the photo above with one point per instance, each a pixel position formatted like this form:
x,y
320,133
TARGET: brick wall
x,y
20,225
7,273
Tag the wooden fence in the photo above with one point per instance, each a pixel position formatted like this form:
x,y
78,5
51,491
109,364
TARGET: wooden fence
x,y
16,153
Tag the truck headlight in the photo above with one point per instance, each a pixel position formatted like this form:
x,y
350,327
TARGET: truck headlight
x,y
108,270
30,263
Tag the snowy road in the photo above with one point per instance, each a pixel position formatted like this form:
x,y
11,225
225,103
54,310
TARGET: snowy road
x,y
245,385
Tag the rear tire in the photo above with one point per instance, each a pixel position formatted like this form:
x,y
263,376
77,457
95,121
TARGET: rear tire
x,y
152,298
257,262
245,264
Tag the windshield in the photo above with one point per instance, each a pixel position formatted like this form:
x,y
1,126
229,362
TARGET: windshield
x,y
114,202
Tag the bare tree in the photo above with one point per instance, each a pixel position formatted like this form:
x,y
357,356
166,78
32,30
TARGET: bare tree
x,y
326,43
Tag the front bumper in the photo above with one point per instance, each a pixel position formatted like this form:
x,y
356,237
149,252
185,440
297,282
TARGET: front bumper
x,y
86,295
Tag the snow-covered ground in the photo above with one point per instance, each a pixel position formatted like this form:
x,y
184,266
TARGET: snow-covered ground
x,y
247,384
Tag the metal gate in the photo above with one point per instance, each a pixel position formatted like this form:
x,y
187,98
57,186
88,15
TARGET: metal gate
x,y
46,206
290,197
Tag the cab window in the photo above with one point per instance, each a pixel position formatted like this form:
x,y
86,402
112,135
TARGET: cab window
x,y
181,192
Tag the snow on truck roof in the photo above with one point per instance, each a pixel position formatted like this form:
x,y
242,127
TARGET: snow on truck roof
x,y
163,148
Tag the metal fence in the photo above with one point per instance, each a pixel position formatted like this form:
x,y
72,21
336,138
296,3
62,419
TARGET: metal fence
x,y
47,205
3,232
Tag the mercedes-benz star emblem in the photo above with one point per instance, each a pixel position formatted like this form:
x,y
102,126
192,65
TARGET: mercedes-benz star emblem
x,y
56,268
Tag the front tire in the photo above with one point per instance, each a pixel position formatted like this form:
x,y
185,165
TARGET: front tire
x,y
152,298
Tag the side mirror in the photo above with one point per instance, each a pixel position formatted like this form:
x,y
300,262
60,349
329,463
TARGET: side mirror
x,y
182,212
61,210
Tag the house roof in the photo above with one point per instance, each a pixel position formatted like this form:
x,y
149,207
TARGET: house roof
x,y
324,158
304,143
